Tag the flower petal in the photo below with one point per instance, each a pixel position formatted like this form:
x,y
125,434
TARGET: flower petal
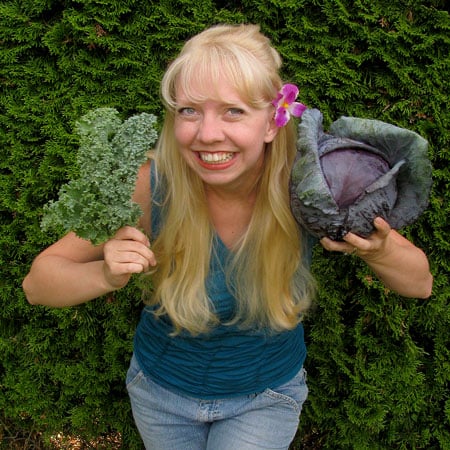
x,y
297,109
282,117
276,102
290,92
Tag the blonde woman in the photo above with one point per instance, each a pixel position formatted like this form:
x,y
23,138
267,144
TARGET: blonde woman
x,y
219,350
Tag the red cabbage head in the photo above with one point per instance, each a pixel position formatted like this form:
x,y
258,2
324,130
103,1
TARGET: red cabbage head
x,y
361,169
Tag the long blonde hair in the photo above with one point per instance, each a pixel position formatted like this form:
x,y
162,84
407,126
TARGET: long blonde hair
x,y
271,285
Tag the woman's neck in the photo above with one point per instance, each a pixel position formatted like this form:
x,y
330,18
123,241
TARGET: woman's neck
x,y
230,213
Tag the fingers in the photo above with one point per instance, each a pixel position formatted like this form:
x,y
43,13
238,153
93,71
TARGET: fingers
x,y
126,253
132,233
338,246
128,256
354,244
382,226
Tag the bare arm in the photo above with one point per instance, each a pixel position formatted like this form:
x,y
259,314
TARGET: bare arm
x,y
396,261
73,271
67,273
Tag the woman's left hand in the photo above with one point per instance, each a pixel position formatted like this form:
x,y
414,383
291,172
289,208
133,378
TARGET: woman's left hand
x,y
401,265
372,247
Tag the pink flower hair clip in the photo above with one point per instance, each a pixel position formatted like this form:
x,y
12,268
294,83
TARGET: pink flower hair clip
x,y
286,105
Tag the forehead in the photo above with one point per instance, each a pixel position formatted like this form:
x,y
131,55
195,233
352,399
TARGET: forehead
x,y
199,91
203,73
212,76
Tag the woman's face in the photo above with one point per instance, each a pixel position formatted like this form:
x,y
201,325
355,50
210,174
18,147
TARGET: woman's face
x,y
222,138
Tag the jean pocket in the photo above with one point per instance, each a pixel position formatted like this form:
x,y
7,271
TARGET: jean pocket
x,y
134,373
294,392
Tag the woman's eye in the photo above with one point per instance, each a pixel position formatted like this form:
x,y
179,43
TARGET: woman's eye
x,y
235,111
186,111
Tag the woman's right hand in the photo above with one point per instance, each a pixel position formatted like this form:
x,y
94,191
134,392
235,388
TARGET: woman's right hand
x,y
72,270
126,253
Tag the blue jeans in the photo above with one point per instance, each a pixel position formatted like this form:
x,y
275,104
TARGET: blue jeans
x,y
170,421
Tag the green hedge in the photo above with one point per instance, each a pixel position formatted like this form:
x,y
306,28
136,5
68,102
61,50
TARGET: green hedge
x,y
378,364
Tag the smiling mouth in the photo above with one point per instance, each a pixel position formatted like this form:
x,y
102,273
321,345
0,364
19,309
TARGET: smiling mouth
x,y
216,157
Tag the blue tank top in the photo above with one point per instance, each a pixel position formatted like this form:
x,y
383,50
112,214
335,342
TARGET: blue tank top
x,y
226,362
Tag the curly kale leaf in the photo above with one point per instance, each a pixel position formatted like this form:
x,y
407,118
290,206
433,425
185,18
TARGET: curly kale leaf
x,y
98,202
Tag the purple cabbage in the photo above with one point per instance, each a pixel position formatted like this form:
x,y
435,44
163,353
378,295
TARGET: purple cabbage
x,y
362,169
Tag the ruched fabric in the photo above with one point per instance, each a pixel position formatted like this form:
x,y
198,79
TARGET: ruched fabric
x,y
228,361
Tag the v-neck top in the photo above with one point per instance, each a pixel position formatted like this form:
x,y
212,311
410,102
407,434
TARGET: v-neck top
x,y
227,361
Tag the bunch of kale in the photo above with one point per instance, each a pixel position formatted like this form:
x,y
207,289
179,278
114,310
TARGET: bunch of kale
x,y
98,203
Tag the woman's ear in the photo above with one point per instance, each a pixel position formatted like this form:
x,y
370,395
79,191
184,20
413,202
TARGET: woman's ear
x,y
272,130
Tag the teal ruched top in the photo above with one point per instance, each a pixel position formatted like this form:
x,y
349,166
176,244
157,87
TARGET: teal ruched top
x,y
226,362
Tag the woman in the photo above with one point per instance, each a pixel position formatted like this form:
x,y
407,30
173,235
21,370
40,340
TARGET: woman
x,y
219,350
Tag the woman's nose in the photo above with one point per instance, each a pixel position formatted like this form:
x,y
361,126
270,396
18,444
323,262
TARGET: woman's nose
x,y
210,129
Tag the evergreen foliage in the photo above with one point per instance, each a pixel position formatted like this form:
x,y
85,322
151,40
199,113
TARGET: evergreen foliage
x,y
378,364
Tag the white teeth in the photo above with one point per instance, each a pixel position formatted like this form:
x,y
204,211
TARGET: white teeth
x,y
216,158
